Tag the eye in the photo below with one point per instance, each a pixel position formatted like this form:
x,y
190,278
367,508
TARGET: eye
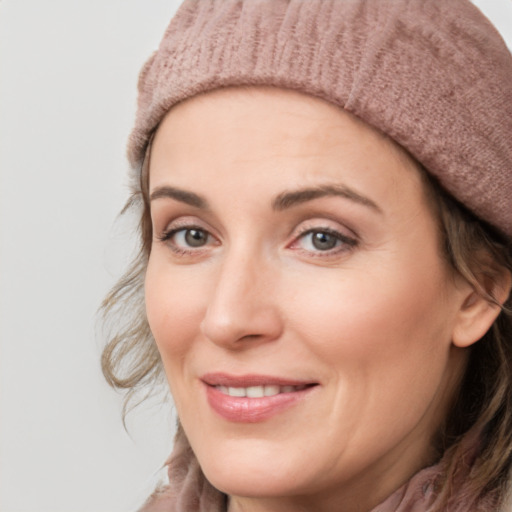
x,y
191,237
324,240
187,239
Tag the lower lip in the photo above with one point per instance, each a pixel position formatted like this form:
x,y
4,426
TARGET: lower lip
x,y
252,410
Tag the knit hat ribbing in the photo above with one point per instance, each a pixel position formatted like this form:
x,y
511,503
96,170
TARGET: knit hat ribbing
x,y
434,75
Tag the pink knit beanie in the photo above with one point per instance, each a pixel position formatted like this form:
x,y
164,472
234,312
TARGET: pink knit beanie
x,y
434,75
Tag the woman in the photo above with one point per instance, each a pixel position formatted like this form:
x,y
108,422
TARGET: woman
x,y
326,195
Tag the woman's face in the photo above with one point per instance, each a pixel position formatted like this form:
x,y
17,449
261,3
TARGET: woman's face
x,y
297,295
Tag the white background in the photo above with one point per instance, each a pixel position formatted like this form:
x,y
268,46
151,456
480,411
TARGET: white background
x,y
68,70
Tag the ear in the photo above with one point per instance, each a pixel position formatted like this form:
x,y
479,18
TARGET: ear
x,y
477,312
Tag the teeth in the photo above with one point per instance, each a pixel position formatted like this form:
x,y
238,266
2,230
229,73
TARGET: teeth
x,y
271,390
258,391
237,391
255,392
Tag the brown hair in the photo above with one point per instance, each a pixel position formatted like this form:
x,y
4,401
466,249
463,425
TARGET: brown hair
x,y
482,411
483,405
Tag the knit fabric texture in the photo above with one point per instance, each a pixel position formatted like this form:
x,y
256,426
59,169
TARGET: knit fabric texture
x,y
434,75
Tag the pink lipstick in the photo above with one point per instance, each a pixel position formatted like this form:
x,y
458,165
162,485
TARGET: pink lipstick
x,y
253,398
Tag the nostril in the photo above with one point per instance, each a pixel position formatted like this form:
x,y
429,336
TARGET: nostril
x,y
246,322
249,337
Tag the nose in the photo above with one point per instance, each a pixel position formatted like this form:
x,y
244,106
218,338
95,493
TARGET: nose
x,y
242,309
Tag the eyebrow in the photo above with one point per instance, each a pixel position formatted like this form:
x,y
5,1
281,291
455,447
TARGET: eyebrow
x,y
287,200
180,195
282,202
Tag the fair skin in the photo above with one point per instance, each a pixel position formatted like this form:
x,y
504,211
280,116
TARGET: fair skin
x,y
339,291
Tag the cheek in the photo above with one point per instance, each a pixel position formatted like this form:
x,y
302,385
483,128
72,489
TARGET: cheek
x,y
175,303
366,310
385,350
376,332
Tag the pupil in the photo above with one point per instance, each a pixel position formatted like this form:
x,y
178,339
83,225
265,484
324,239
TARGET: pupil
x,y
323,241
195,237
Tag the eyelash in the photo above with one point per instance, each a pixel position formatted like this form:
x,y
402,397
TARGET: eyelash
x,y
168,235
343,242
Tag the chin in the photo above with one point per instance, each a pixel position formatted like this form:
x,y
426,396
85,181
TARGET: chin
x,y
253,469
250,484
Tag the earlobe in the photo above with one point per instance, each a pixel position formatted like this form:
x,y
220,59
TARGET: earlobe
x,y
474,319
477,312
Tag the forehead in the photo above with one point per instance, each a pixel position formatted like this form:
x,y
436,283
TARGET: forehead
x,y
229,140
236,111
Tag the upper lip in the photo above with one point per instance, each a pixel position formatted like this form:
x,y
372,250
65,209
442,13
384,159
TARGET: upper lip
x,y
242,381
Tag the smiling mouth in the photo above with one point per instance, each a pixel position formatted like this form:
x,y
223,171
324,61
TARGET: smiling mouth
x,y
260,391
253,398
